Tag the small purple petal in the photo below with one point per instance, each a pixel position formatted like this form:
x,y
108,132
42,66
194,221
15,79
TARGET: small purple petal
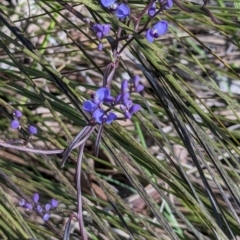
x,y
28,206
100,46
48,207
89,106
101,94
17,113
15,124
97,28
32,129
106,29
149,36
169,4
118,99
139,88
135,108
99,35
111,117
124,87
22,202
122,11
125,98
46,216
151,11
98,115
161,27
39,208
54,203
107,3
127,115
35,197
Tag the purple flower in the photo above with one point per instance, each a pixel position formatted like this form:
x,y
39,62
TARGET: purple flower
x,y
152,9
101,95
15,124
138,87
101,30
48,207
122,11
89,106
107,3
39,208
32,130
124,86
133,109
46,216
167,3
157,30
35,197
98,115
110,118
54,203
17,113
28,206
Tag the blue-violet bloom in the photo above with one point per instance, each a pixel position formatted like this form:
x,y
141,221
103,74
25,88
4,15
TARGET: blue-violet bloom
x,y
35,197
107,3
157,30
17,113
15,124
122,11
46,217
54,203
152,10
32,130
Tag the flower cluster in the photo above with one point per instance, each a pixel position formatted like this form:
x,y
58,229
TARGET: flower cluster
x,y
123,10
45,210
101,31
103,97
15,124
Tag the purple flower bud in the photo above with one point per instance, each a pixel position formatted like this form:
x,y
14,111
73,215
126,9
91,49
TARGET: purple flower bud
x,y
152,10
157,30
100,46
46,216
17,113
15,124
22,202
54,203
32,130
28,206
35,197
122,11
48,207
39,208
124,87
